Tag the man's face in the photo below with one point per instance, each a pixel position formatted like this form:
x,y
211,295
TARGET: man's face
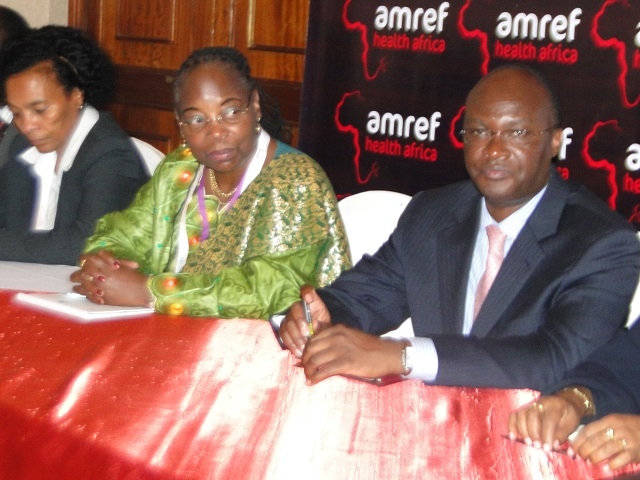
x,y
509,168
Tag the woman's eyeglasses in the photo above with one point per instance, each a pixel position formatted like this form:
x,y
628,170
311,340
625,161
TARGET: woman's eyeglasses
x,y
228,116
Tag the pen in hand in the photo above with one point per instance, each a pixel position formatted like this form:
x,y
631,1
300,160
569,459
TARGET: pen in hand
x,y
307,316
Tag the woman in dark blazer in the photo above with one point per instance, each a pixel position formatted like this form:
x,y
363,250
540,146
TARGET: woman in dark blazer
x,y
603,393
71,163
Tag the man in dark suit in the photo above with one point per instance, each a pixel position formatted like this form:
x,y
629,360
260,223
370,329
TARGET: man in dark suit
x,y
569,270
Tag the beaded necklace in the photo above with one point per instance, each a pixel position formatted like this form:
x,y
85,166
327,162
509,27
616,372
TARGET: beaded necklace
x,y
254,168
213,186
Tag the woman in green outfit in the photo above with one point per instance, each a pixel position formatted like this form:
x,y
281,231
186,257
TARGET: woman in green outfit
x,y
232,223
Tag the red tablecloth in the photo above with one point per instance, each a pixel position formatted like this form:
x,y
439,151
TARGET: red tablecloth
x,y
181,398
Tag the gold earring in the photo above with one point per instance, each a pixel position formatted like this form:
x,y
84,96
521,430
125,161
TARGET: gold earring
x,y
259,127
184,143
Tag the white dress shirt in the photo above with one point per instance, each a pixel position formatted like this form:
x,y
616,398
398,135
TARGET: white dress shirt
x,y
5,114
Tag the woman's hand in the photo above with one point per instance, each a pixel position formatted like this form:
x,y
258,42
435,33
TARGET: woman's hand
x,y
614,439
106,280
547,422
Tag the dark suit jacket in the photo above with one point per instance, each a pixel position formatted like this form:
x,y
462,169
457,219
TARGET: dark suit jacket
x,y
5,144
562,290
105,175
612,373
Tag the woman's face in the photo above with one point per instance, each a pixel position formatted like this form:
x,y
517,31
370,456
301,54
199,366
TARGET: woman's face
x,y
213,98
42,110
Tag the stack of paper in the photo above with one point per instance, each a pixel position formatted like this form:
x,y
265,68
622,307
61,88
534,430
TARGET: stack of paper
x,y
77,306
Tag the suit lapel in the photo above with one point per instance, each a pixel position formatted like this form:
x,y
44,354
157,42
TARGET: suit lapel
x,y
523,257
454,252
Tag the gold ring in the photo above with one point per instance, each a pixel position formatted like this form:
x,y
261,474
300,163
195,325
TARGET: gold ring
x,y
609,433
82,262
623,443
537,406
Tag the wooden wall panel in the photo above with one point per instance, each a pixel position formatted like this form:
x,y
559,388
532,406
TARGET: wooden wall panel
x,y
154,126
273,34
154,33
149,39
146,20
287,37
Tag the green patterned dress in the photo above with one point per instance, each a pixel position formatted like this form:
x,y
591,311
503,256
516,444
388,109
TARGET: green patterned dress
x,y
283,231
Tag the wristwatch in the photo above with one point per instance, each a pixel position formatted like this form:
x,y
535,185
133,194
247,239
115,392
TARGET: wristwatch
x,y
407,359
589,406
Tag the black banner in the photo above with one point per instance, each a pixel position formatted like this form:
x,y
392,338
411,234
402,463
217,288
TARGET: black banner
x,y
385,85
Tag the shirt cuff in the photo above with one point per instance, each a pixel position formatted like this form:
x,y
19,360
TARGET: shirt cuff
x,y
425,359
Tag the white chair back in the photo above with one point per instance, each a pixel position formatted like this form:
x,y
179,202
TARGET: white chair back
x,y
150,154
369,218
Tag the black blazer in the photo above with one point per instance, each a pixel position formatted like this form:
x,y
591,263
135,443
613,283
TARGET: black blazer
x,y
562,291
105,175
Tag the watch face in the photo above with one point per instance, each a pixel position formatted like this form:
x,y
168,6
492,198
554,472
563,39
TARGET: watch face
x,y
409,358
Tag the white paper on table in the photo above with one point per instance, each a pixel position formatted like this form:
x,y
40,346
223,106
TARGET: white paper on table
x,y
78,307
36,277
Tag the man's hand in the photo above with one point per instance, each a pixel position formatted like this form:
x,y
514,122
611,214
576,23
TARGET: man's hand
x,y
106,280
340,350
336,349
294,329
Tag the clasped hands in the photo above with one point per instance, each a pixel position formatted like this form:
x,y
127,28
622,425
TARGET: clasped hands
x,y
613,440
336,349
107,280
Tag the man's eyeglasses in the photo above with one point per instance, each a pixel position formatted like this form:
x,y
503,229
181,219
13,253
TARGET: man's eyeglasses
x,y
228,116
512,136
